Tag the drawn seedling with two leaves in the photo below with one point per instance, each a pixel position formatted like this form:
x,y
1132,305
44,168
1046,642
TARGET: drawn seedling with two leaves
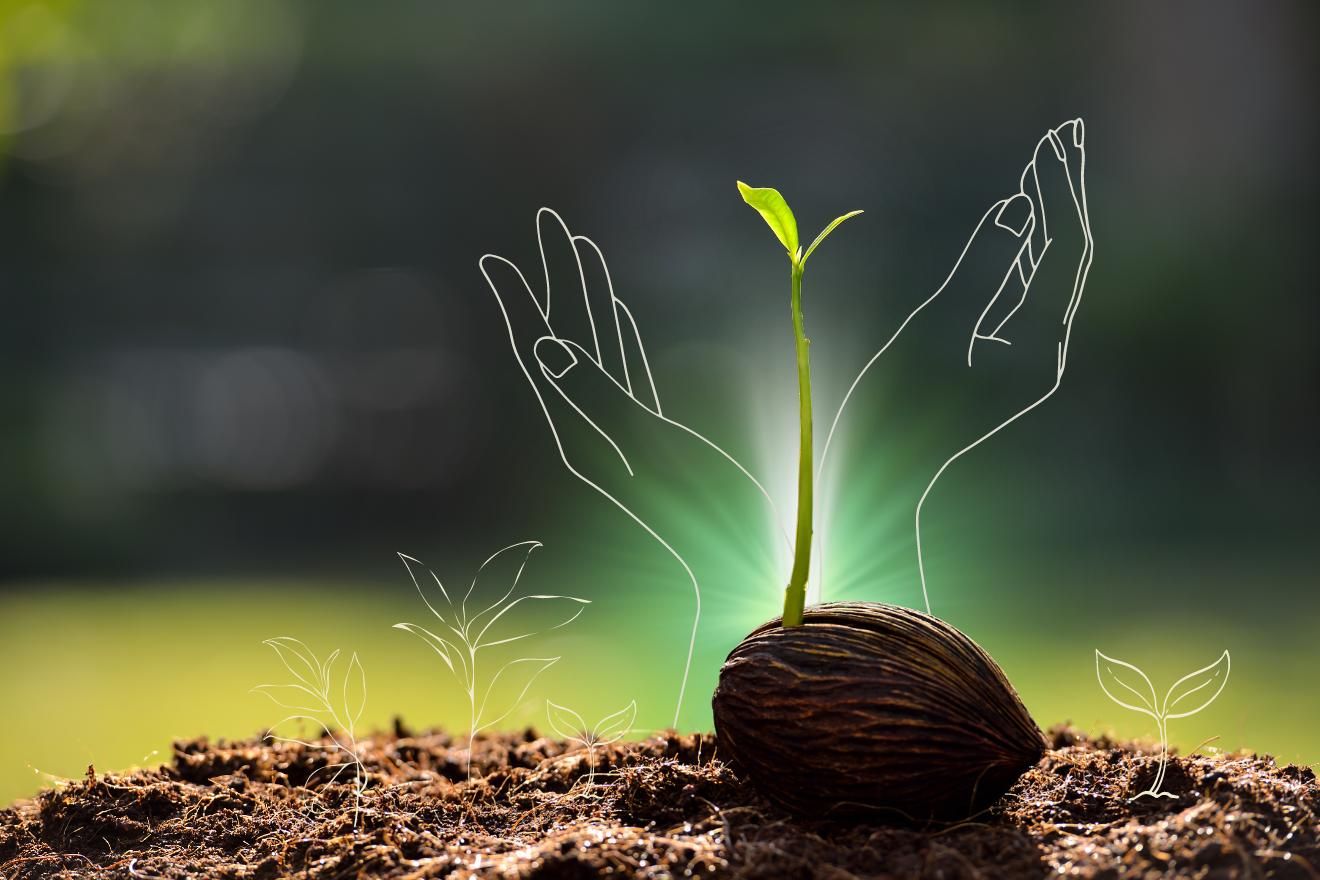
x,y
1124,683
569,726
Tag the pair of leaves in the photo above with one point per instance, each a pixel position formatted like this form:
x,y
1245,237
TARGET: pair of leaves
x,y
314,694
1123,682
779,217
568,725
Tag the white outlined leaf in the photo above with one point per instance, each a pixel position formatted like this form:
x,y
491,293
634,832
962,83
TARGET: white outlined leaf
x,y
316,723
452,621
526,669
292,696
325,670
615,727
1117,678
355,692
298,659
527,616
448,651
566,724
1204,685
491,569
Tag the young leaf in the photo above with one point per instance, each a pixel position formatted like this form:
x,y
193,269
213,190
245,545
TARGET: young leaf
x,y
447,651
289,649
292,696
525,671
506,566
824,233
1120,676
776,213
315,722
1210,680
527,616
408,563
355,692
566,724
615,727
325,670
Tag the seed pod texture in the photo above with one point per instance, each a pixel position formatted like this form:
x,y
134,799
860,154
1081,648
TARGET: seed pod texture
x,y
872,710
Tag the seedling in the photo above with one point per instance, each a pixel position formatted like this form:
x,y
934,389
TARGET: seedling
x,y
875,689
316,696
569,726
779,217
465,635
1207,680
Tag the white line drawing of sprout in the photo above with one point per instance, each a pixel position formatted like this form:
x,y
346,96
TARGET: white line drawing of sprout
x,y
1198,683
569,726
466,635
313,697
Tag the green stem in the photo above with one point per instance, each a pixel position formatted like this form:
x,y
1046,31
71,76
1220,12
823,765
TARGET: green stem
x,y
795,595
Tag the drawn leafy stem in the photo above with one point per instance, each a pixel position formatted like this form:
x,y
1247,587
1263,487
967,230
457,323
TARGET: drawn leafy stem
x,y
569,726
463,634
312,697
1123,682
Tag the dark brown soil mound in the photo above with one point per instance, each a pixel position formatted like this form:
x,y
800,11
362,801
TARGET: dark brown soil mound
x,y
666,807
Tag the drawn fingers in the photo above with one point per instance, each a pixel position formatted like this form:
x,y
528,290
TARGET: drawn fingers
x,y
583,309
1036,307
637,368
598,292
590,392
523,311
564,285
957,309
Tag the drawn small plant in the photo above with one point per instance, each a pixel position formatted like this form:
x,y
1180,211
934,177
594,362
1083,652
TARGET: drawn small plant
x,y
467,635
313,697
1208,680
569,726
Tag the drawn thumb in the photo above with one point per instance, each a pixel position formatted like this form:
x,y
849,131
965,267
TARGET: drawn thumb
x,y
598,400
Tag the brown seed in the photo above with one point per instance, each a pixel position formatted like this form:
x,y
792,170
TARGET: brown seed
x,y
872,710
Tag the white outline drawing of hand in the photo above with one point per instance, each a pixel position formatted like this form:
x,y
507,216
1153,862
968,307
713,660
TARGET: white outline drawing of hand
x,y
600,401
1011,297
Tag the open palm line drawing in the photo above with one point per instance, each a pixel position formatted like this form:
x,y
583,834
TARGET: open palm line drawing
x,y
643,383
636,383
1028,181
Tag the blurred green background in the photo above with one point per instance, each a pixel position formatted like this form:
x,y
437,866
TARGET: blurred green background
x,y
247,356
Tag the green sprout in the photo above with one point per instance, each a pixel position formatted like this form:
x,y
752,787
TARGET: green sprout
x,y
779,217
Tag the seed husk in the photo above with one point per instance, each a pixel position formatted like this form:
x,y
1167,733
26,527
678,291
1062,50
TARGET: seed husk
x,y
872,710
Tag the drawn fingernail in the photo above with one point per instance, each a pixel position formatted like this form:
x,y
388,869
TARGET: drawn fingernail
x,y
1057,145
555,357
1015,215
1079,132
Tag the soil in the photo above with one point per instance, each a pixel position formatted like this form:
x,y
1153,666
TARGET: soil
x,y
666,807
